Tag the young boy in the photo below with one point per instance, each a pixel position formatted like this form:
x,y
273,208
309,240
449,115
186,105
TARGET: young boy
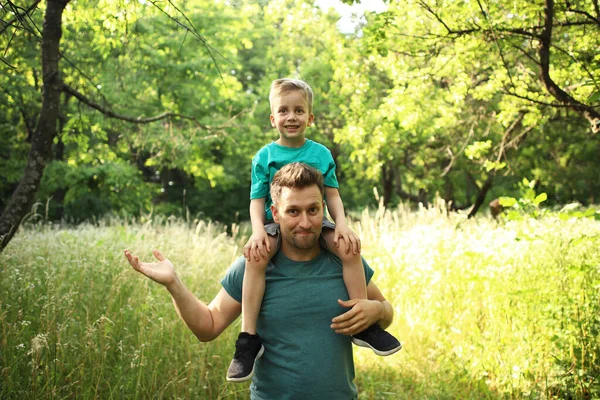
x,y
291,113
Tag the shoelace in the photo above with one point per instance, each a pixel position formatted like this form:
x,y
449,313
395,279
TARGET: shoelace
x,y
241,350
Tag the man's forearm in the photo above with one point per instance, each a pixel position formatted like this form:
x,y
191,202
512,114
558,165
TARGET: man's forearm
x,y
195,314
387,314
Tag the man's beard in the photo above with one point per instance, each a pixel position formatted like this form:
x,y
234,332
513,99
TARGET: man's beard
x,y
305,242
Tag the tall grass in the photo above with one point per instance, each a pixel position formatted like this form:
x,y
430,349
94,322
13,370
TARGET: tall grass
x,y
484,309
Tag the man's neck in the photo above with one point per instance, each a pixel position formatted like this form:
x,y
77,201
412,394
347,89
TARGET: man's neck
x,y
295,254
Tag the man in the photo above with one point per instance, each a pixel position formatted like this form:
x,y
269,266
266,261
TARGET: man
x,y
303,321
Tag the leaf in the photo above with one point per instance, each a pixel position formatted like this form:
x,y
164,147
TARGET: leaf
x,y
540,198
507,202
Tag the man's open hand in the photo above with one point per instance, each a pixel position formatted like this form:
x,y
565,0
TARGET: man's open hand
x,y
161,272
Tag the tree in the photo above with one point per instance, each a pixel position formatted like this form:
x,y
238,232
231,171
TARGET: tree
x,y
55,82
462,95
45,131
564,42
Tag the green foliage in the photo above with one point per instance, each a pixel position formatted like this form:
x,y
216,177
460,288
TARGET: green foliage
x,y
405,103
500,311
528,203
95,190
575,210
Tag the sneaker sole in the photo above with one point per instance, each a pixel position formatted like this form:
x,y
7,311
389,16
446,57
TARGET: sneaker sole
x,y
362,343
251,374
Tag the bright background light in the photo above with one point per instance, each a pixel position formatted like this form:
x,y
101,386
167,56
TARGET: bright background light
x,y
347,21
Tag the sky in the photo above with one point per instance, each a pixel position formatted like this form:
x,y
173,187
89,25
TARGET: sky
x,y
346,24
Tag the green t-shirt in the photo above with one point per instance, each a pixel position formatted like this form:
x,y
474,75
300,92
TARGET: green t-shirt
x,y
304,358
273,156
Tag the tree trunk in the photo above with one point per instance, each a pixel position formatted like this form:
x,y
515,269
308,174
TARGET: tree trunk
x,y
387,177
45,131
482,193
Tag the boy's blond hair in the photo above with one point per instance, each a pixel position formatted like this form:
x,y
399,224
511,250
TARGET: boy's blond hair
x,y
285,85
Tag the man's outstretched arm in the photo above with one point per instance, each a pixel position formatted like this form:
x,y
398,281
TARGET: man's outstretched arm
x,y
205,321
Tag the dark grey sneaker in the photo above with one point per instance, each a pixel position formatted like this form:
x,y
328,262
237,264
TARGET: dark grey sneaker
x,y
248,349
381,342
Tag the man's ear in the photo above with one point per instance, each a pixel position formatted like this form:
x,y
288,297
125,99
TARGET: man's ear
x,y
275,213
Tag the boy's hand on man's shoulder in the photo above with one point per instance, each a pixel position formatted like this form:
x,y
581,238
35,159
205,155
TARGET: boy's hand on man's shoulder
x,y
257,246
342,231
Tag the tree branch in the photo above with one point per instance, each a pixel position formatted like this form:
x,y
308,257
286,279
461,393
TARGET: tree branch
x,y
525,53
541,103
563,97
440,20
497,43
19,16
3,61
595,20
507,132
453,157
194,32
139,120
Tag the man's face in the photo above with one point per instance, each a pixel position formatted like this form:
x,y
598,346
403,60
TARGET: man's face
x,y
299,213
291,117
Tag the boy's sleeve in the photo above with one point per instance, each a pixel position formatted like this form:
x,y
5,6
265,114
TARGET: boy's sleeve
x,y
234,277
260,178
330,179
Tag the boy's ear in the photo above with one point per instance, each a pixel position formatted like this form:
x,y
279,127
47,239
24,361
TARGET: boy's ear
x,y
311,119
272,120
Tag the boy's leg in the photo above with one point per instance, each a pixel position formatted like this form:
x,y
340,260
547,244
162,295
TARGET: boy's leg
x,y
249,347
380,341
253,289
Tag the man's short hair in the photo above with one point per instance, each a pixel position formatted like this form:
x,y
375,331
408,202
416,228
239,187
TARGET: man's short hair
x,y
285,85
295,176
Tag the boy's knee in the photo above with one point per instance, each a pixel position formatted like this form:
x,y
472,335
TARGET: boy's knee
x,y
345,251
260,265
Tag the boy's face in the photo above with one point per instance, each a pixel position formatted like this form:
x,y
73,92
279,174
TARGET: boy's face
x,y
290,117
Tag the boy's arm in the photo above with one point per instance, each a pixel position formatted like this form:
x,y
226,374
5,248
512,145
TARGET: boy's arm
x,y
336,209
258,245
257,214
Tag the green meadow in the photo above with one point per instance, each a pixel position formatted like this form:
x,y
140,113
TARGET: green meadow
x,y
485,309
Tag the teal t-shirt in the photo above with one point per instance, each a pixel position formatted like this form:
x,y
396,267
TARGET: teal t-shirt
x,y
273,156
304,358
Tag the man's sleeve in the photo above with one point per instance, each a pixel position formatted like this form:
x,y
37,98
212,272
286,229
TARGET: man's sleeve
x,y
368,270
260,177
234,278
